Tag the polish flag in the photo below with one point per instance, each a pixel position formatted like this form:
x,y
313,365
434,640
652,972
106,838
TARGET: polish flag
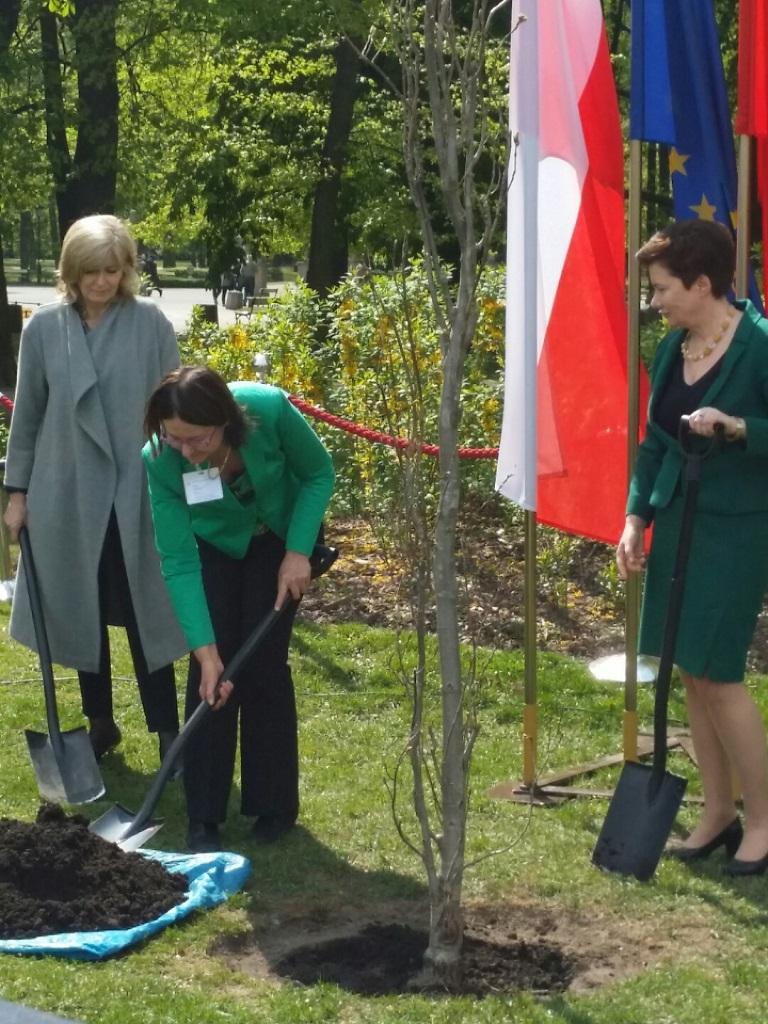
x,y
564,435
752,114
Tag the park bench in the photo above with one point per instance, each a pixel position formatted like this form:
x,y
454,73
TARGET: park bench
x,y
261,298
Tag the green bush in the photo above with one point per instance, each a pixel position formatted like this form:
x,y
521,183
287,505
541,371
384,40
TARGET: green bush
x,y
371,354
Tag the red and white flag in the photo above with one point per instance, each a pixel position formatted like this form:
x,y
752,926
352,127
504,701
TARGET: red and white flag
x,y
564,434
752,112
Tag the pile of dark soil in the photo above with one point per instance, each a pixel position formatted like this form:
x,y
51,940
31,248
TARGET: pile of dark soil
x,y
57,877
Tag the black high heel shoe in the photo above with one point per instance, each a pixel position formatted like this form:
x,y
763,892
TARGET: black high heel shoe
x,y
730,838
742,868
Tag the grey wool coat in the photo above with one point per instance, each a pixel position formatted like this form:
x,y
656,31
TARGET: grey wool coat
x,y
75,447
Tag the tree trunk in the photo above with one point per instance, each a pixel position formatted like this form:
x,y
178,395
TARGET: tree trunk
x,y
9,19
85,183
329,244
7,325
26,240
446,932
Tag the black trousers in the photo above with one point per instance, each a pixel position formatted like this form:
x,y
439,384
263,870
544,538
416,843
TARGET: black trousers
x,y
240,593
156,689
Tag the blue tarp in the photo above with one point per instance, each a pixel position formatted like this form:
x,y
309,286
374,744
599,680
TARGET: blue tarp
x,y
212,878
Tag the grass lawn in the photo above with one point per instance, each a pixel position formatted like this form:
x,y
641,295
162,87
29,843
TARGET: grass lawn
x,y
693,946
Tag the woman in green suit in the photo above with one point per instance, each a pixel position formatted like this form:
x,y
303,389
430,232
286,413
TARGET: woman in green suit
x,y
239,484
713,367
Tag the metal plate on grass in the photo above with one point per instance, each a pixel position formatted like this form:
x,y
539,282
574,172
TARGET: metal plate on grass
x,y
612,668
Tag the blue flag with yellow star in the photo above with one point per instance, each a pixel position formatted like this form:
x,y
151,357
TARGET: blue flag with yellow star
x,y
678,97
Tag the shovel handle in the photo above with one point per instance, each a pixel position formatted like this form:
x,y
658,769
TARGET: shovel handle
x,y
43,649
321,560
694,456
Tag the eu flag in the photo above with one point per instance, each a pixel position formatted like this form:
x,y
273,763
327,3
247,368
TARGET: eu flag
x,y
678,97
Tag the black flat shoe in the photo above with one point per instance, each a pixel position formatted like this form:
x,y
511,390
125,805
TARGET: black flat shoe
x,y
203,837
104,735
269,828
730,838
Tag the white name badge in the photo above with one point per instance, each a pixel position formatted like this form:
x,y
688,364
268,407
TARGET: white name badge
x,y
200,486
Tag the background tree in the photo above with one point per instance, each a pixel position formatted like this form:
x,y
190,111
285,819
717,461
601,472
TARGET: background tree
x,y
85,181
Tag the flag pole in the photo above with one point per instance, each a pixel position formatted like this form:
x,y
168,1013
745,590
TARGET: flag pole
x,y
743,212
632,590
530,710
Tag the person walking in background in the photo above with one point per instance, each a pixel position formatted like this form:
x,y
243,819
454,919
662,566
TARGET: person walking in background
x,y
228,281
713,367
87,364
248,276
239,483
150,263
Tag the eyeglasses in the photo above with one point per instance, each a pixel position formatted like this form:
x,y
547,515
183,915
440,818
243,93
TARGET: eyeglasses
x,y
200,443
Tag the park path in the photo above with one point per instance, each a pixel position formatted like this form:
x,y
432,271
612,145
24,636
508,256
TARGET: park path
x,y
176,303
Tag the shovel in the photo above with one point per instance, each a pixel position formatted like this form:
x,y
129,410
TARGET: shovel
x,y
647,798
64,762
130,831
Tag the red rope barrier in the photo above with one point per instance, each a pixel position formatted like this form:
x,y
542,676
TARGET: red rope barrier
x,y
378,437
374,436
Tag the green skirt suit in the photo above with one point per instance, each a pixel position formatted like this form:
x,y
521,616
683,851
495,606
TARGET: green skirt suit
x,y
727,571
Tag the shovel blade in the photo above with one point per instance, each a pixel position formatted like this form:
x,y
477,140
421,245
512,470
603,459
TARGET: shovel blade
x,y
73,777
638,823
115,825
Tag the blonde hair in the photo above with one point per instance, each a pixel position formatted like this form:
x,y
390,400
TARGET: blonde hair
x,y
93,243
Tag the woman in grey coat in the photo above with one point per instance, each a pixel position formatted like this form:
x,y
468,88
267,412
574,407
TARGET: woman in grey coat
x,y
87,365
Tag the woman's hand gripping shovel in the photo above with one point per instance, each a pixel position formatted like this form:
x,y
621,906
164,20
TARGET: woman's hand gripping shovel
x,y
64,762
130,831
647,797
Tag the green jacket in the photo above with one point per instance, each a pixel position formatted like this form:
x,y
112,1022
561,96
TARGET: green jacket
x,y
292,477
735,482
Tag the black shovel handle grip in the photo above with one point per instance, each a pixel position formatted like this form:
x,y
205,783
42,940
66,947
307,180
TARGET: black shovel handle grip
x,y
43,648
321,559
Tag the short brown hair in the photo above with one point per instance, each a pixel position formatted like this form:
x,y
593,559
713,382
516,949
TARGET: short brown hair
x,y
690,248
197,395
92,243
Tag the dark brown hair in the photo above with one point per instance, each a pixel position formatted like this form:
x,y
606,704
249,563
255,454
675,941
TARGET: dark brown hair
x,y
690,248
199,396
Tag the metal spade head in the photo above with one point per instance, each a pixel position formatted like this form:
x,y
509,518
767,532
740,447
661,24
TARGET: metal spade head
x,y
117,825
69,774
639,821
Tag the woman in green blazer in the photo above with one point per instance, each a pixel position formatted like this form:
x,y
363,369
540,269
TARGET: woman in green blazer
x,y
713,367
239,484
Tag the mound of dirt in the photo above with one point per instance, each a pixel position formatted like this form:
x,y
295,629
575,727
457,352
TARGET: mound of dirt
x,y
57,877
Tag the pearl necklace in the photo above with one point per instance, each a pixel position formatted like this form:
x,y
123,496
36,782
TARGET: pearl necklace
x,y
709,348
